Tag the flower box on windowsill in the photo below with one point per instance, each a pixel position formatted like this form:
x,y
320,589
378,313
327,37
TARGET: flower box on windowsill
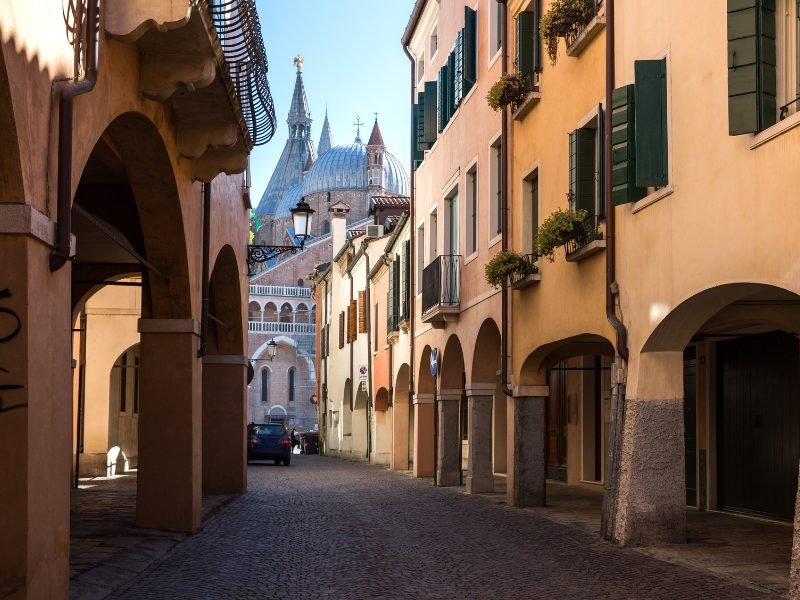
x,y
530,101
527,281
592,247
587,34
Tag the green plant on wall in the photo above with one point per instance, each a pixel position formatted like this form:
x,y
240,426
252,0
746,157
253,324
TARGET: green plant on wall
x,y
511,89
505,264
560,20
557,230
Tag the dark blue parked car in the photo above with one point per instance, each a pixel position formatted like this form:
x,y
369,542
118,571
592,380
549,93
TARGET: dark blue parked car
x,y
269,441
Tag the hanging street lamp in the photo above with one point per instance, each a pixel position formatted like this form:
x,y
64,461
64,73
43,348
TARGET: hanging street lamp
x,y
301,221
272,349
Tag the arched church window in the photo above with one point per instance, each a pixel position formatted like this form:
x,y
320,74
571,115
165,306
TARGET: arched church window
x,y
265,385
291,384
300,282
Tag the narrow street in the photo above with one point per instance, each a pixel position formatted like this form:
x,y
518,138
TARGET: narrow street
x,y
325,528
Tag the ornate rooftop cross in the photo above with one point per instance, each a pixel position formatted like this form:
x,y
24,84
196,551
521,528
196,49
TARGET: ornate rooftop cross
x,y
358,125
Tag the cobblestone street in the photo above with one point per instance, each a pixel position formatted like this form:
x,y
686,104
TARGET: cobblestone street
x,y
332,529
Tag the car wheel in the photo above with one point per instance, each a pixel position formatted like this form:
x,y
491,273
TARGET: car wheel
x,y
277,461
287,461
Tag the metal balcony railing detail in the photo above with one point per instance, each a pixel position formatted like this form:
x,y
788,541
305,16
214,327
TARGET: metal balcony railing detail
x,y
280,290
578,28
279,327
239,32
584,233
441,282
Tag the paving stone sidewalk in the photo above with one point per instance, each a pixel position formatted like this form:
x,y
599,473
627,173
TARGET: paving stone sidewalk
x,y
324,528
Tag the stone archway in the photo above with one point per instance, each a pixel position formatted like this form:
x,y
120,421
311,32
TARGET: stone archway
x,y
450,400
360,449
683,443
402,422
225,381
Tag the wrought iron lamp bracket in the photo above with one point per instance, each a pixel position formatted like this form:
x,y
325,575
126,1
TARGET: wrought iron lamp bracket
x,y
257,253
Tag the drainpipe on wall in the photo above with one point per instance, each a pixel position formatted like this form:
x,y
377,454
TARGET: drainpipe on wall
x,y
205,282
504,184
369,354
608,524
412,302
61,252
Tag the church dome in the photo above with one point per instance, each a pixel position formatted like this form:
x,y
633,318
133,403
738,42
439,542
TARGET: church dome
x,y
345,168
288,201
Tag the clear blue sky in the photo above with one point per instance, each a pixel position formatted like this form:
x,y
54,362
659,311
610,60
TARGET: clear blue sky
x,y
354,65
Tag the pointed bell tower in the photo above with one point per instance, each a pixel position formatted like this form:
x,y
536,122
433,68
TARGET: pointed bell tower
x,y
376,150
325,138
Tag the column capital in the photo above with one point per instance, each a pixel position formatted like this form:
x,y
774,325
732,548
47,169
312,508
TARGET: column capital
x,y
528,391
450,395
423,398
481,389
169,326
225,359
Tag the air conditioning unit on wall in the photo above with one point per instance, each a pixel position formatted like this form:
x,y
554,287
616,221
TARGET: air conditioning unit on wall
x,y
374,231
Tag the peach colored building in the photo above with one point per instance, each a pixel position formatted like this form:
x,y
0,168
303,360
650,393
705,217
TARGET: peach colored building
x,y
122,152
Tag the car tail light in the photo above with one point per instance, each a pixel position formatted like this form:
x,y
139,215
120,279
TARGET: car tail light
x,y
253,441
286,442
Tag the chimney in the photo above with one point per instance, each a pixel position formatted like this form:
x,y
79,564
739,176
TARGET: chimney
x,y
338,213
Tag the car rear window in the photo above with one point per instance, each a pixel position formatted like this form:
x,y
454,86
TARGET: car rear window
x,y
269,429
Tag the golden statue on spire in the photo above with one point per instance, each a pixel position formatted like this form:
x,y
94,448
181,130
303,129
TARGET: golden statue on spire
x,y
298,62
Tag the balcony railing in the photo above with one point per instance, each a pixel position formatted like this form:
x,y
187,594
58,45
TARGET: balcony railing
x,y
531,269
441,283
584,233
278,327
578,28
280,290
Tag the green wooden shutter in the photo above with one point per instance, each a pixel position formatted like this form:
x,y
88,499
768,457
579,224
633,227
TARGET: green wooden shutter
x,y
752,86
390,300
623,147
526,42
451,85
458,71
429,137
470,48
442,97
407,279
581,169
417,129
396,300
651,123
537,42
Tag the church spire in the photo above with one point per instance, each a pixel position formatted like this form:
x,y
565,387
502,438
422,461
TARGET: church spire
x,y
376,138
299,120
325,138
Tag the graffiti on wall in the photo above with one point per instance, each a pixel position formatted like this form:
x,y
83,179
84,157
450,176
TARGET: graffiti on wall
x,y
10,326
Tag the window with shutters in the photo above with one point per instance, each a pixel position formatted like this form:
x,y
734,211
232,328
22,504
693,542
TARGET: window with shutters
x,y
352,321
341,329
527,59
787,38
471,197
420,68
584,169
495,189
405,301
362,312
391,299
530,212
420,256
433,41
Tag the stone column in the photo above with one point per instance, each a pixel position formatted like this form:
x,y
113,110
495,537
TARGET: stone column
x,y
36,408
651,494
224,422
794,571
480,474
169,478
526,439
423,435
448,467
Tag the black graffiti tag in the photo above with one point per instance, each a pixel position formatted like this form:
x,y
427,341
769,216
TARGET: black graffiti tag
x,y
6,335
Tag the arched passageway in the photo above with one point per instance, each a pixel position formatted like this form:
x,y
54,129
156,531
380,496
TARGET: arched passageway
x,y
451,417
361,443
224,381
402,423
714,391
382,440
423,447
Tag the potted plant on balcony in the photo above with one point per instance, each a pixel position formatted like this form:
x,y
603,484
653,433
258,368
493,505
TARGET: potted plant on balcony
x,y
563,17
507,263
511,89
557,230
